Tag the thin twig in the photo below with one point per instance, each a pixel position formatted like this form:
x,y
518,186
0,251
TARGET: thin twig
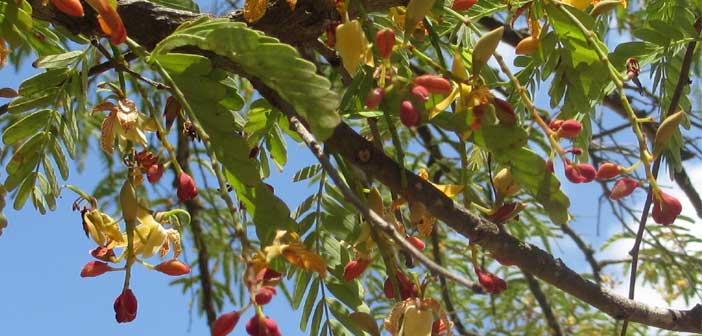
x,y
544,304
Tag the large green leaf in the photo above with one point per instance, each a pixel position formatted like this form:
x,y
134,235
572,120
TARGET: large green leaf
x,y
278,65
23,128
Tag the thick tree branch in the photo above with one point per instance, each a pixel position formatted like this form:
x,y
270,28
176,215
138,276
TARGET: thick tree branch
x,y
151,22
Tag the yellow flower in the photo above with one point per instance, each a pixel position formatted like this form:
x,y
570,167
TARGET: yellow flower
x,y
123,122
419,216
289,246
3,52
102,228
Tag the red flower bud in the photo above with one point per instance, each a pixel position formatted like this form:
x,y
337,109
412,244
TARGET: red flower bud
x,y
154,173
492,283
417,243
102,253
262,327
186,187
504,111
264,295
384,41
374,98
461,5
570,129
420,93
581,173
665,208
434,83
268,276
125,306
94,268
409,116
624,187
407,288
69,7
355,268
607,171
225,323
173,267
555,124
439,327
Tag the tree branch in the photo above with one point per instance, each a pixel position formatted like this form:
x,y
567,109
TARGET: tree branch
x,y
151,22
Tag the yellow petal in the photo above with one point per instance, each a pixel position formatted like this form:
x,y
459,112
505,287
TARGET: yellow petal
x,y
298,255
3,52
444,104
292,4
450,190
127,113
255,9
107,133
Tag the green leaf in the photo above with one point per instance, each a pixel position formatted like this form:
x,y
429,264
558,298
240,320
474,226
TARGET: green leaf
x,y
186,5
59,158
529,170
23,128
58,61
309,304
307,172
317,318
23,192
26,157
39,83
342,314
192,65
277,65
277,147
301,282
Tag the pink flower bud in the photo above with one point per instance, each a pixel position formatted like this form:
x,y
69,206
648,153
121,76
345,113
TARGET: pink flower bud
x,y
355,268
417,243
103,253
154,173
186,187
264,295
666,208
173,267
125,306
581,173
268,276
409,116
434,83
570,129
408,289
419,93
384,41
624,187
94,268
262,327
555,124
491,282
607,171
374,98
225,323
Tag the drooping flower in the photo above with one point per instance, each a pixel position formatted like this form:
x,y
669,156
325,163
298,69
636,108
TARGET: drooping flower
x,y
125,306
491,282
225,323
124,122
288,245
666,208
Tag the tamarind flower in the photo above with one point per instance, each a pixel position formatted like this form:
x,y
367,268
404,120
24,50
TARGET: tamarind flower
x,y
124,122
289,246
125,306
109,20
225,323
666,208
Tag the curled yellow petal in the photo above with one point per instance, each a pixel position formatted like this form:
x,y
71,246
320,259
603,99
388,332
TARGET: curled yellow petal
x,y
255,9
289,246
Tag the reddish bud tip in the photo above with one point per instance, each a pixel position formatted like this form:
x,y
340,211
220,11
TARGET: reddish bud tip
x,y
570,129
581,173
417,243
666,208
262,327
102,253
69,7
125,306
384,41
355,268
624,187
225,323
94,268
420,93
407,288
268,276
409,116
607,171
555,124
186,187
491,282
374,98
264,295
434,84
461,5
173,267
154,173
